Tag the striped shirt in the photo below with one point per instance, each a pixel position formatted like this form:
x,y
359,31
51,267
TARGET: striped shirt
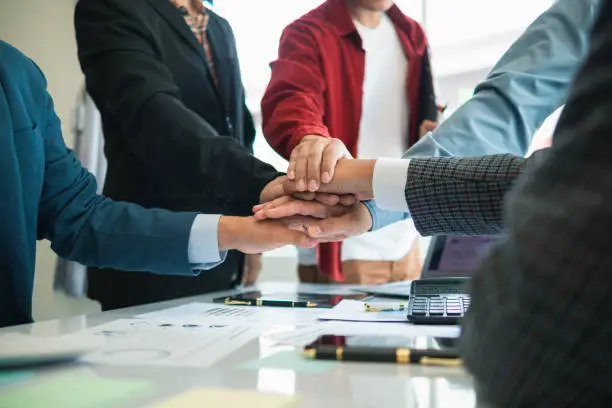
x,y
198,22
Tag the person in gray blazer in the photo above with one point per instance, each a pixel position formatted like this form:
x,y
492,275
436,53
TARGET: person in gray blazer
x,y
537,333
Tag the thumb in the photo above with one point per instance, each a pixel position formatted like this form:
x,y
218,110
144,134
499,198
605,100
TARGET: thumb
x,y
329,227
301,239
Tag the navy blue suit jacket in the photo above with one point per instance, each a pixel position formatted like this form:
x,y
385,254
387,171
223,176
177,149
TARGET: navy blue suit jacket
x,y
45,193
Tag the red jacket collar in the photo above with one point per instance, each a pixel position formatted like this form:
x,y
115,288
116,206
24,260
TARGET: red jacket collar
x,y
337,13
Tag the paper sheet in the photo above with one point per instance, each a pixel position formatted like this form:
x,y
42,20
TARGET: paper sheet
x,y
211,397
74,391
354,311
290,360
164,343
211,313
306,335
388,289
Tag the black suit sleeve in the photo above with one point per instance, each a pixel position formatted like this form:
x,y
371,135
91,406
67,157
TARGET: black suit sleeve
x,y
125,76
249,129
428,109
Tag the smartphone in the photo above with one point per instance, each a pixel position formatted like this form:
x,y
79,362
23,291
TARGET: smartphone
x,y
323,301
415,343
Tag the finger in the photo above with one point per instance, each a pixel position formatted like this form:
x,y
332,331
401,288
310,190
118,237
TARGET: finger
x,y
292,160
308,196
301,166
314,164
326,228
260,212
305,241
347,200
333,152
327,199
273,189
298,207
290,187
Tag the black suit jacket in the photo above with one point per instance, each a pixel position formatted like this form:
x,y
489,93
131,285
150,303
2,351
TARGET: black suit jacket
x,y
172,138
538,330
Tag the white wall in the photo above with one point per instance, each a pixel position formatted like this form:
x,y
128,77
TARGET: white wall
x,y
43,30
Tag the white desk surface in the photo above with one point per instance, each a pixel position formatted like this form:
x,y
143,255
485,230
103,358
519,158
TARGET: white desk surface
x,y
347,385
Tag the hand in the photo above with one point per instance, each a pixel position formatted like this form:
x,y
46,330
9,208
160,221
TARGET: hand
x,y
248,235
320,221
252,267
426,127
313,161
282,186
352,177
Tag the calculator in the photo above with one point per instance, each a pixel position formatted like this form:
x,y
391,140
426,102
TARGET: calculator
x,y
438,301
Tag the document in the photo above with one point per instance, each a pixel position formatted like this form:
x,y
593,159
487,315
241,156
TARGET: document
x,y
303,336
168,343
354,311
209,313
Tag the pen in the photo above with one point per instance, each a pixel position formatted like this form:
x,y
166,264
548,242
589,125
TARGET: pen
x,y
369,308
262,302
384,355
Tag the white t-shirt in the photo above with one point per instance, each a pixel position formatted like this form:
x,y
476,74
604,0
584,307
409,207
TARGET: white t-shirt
x,y
382,133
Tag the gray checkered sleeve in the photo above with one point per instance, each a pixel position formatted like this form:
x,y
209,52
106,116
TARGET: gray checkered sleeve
x,y
460,195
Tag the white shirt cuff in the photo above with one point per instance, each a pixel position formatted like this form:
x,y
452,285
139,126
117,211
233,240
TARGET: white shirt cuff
x,y
204,243
389,184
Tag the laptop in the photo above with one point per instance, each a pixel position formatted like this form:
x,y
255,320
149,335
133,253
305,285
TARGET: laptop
x,y
448,256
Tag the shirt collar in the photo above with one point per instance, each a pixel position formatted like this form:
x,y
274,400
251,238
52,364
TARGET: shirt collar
x,y
197,5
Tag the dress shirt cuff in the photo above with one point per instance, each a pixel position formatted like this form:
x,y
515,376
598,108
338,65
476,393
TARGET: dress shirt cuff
x,y
389,184
382,218
204,242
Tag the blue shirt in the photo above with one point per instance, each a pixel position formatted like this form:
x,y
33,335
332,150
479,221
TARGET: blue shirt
x,y
529,83
47,194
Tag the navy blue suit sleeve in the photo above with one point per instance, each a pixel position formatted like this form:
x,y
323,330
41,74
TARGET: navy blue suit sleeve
x,y
96,231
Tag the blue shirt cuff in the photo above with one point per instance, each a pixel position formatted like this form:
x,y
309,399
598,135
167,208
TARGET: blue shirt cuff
x,y
382,218
204,243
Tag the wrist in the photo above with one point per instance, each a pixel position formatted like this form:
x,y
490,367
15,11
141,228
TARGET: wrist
x,y
227,232
359,173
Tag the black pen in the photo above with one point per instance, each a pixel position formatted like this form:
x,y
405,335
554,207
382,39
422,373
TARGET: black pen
x,y
264,302
384,355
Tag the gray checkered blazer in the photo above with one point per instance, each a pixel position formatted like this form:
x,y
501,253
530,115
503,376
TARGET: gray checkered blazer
x,y
539,331
463,195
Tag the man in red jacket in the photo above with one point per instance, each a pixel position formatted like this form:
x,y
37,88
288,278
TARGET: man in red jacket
x,y
352,79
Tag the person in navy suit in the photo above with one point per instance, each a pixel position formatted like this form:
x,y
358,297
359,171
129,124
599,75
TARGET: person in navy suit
x,y
47,194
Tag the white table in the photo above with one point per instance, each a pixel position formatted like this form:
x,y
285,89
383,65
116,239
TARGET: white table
x,y
347,385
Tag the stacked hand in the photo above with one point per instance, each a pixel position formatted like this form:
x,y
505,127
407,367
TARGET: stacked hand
x,y
330,212
319,200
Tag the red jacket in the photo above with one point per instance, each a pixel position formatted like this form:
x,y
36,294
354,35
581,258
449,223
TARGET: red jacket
x,y
317,83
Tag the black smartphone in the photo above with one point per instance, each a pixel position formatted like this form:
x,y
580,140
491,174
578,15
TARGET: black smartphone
x,y
415,343
322,301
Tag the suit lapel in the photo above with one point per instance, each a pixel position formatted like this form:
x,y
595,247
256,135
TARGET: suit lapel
x,y
221,58
167,10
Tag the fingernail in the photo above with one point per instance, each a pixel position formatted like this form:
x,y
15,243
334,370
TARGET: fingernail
x,y
291,175
313,186
301,185
326,177
315,230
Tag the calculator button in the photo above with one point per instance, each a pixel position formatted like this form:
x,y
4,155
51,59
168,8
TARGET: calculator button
x,y
419,313
436,313
454,313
